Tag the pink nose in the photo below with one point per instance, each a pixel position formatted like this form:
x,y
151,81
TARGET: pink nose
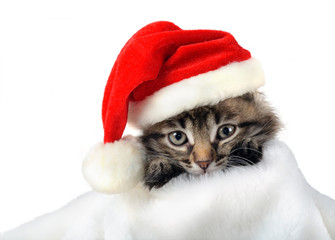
x,y
203,164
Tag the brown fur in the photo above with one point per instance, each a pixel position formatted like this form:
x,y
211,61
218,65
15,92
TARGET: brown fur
x,y
255,124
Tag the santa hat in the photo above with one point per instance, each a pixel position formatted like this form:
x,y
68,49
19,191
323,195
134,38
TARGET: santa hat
x,y
160,72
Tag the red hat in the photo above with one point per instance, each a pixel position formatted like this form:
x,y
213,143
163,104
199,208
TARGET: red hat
x,y
160,72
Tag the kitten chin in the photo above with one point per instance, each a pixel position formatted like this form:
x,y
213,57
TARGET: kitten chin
x,y
209,138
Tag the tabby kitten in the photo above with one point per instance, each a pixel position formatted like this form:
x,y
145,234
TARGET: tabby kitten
x,y
208,138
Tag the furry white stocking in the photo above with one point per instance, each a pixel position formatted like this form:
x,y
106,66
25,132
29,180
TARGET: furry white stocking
x,y
270,200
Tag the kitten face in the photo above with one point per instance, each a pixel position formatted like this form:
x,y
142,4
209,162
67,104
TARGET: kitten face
x,y
208,139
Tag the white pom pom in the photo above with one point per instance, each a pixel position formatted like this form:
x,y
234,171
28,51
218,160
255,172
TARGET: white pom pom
x,y
115,167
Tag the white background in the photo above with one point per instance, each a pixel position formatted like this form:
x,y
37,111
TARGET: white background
x,y
56,57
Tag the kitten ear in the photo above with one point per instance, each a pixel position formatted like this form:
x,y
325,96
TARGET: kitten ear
x,y
115,167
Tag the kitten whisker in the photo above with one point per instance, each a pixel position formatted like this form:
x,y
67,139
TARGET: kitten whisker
x,y
246,148
238,164
240,159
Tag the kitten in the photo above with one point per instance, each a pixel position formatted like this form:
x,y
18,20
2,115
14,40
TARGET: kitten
x,y
209,138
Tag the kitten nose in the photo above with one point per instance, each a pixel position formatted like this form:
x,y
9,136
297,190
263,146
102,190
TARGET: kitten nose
x,y
203,164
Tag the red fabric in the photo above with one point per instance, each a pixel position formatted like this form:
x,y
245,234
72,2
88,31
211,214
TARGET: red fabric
x,y
156,56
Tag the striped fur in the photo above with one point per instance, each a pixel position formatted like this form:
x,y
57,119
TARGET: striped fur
x,y
253,120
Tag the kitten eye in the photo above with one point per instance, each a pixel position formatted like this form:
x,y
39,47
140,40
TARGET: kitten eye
x,y
177,138
225,131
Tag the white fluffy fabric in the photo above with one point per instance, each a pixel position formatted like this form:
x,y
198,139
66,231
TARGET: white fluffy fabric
x,y
208,88
270,200
114,167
